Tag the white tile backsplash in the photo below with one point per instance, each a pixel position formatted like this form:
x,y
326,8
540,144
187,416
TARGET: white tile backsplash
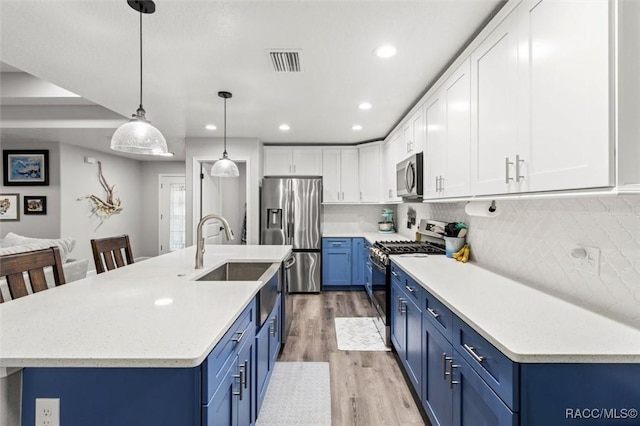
x,y
531,242
344,218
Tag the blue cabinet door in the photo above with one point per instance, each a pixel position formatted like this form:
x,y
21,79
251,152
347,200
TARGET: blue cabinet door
x,y
398,321
358,263
413,344
222,410
474,403
268,342
246,396
336,267
437,396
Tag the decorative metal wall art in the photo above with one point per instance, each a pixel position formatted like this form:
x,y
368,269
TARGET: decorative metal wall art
x,y
104,209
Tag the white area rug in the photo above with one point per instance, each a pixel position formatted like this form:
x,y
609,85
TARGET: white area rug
x,y
299,394
358,334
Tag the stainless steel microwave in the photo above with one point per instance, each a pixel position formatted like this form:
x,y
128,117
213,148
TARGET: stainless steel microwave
x,y
409,177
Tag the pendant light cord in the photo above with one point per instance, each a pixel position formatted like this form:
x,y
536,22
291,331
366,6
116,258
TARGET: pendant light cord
x,y
141,59
225,128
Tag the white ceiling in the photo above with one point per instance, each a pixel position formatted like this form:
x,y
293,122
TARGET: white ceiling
x,y
193,49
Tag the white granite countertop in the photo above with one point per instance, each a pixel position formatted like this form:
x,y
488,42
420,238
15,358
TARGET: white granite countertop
x,y
372,237
527,325
118,319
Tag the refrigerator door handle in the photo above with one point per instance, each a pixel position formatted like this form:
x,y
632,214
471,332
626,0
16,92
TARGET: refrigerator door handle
x,y
289,262
290,229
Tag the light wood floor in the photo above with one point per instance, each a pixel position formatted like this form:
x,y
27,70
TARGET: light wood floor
x,y
367,388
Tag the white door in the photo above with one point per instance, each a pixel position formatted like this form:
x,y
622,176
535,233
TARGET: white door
x,y
307,162
567,71
331,191
349,174
277,161
370,176
435,147
495,94
458,130
172,213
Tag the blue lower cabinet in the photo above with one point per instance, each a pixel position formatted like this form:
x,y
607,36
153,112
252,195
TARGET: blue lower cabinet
x,y
413,344
437,397
474,402
268,342
223,407
398,320
358,263
336,262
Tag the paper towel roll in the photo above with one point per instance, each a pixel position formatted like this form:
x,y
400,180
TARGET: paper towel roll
x,y
482,208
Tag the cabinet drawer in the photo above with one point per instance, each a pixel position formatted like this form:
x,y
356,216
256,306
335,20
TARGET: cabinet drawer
x,y
498,371
243,329
398,275
439,315
343,243
413,290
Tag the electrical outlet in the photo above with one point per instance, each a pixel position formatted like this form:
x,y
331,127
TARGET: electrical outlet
x,y
47,411
587,259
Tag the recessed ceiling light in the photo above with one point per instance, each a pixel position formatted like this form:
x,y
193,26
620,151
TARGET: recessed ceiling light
x,y
385,51
356,127
284,127
210,127
364,105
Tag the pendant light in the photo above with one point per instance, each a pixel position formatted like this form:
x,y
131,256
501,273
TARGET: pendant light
x,y
138,136
225,167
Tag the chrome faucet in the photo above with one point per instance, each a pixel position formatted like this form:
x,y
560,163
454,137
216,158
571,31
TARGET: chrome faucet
x,y
200,241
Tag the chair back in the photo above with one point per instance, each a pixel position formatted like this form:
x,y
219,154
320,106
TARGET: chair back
x,y
108,253
13,267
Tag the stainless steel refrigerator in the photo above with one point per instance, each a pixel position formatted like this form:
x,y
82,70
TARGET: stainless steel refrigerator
x,y
291,214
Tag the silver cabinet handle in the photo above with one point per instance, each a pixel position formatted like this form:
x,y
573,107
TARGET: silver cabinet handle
x,y
507,163
433,312
451,367
240,335
343,196
410,289
441,184
400,305
360,195
473,353
241,381
518,175
437,182
445,359
294,168
394,273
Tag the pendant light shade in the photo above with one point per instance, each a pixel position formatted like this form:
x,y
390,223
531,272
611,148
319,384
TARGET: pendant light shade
x,y
225,167
138,136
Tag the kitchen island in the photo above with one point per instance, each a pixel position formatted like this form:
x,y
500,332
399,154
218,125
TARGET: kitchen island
x,y
150,325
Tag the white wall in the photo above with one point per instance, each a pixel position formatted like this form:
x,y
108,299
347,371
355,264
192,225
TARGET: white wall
x,y
531,242
247,149
80,179
151,171
37,226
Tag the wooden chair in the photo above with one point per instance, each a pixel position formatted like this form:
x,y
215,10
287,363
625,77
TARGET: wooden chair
x,y
12,266
107,252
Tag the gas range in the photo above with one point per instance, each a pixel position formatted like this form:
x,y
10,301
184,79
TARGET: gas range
x,y
381,250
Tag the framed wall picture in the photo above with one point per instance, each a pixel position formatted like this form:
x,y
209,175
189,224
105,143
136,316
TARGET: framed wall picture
x,y
34,204
26,167
9,207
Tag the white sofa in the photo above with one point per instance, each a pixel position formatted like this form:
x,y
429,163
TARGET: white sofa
x,y
74,269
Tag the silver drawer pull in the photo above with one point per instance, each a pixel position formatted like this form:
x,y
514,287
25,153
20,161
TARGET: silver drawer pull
x,y
411,290
394,273
240,335
445,358
473,353
433,313
451,381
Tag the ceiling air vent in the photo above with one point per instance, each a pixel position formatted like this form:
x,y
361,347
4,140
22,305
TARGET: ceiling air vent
x,y
286,60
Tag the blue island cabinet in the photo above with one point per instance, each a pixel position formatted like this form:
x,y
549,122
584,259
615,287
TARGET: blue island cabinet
x,y
268,342
220,391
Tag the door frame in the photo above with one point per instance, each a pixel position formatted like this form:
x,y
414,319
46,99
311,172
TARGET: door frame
x,y
160,176
196,196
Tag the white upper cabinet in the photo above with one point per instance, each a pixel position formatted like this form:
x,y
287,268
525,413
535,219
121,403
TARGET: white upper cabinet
x,y
412,138
389,168
299,161
340,175
435,150
494,67
565,68
370,173
448,145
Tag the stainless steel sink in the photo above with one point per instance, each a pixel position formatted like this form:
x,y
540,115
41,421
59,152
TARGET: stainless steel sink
x,y
237,271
